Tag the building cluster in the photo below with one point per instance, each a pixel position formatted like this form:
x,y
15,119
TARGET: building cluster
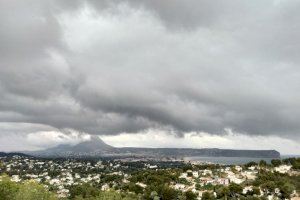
x,y
201,181
59,175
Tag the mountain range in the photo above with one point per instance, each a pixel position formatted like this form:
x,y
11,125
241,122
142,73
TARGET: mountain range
x,y
95,147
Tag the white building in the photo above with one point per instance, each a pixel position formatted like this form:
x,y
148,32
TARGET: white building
x,y
283,169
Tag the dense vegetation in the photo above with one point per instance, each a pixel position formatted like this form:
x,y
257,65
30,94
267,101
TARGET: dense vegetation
x,y
30,190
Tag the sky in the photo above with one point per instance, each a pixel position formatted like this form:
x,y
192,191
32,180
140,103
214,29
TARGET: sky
x,y
152,73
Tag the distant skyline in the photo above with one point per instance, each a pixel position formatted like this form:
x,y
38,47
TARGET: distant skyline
x,y
172,73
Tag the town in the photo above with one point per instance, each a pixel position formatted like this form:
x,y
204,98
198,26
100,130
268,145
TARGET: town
x,y
148,179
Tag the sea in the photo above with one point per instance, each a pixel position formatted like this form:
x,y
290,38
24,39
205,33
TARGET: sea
x,y
232,160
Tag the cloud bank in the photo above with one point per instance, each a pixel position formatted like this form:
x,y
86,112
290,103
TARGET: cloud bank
x,y
112,67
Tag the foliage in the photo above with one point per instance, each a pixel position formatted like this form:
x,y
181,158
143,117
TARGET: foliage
x,y
235,189
276,162
250,164
208,186
255,191
29,190
109,195
223,192
190,195
207,196
197,186
154,177
295,180
295,162
168,193
183,181
262,163
286,190
8,189
84,190
252,198
269,187
269,181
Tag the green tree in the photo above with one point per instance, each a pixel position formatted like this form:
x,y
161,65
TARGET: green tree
x,y
286,190
250,164
235,189
207,196
262,163
252,198
223,192
135,188
197,186
8,189
31,190
276,162
190,195
208,186
84,190
110,195
269,186
168,193
295,162
256,190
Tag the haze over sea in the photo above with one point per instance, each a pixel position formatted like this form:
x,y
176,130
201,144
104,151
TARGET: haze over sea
x,y
232,160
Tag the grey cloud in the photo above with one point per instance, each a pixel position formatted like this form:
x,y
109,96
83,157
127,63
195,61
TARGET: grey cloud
x,y
190,14
177,65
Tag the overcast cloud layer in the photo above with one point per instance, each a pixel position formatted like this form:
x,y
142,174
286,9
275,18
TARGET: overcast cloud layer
x,y
111,67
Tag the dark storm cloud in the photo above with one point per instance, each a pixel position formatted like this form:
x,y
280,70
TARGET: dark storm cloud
x,y
107,67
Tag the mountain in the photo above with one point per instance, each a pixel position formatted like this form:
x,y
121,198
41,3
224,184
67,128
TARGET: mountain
x,y
95,147
94,144
11,154
91,148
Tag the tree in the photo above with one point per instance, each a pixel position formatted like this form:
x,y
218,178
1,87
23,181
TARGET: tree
x,y
235,189
208,186
168,193
256,191
207,196
262,163
197,186
250,164
295,162
8,189
110,195
190,195
286,190
269,186
296,165
252,198
84,190
276,162
31,190
223,192
135,188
